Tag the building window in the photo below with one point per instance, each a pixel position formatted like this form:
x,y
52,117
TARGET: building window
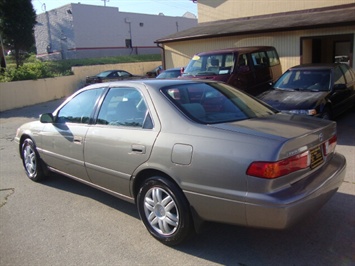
x,y
128,43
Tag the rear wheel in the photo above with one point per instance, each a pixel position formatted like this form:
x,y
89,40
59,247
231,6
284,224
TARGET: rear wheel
x,y
164,211
31,161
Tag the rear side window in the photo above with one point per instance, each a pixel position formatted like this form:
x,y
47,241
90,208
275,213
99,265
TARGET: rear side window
x,y
273,58
123,107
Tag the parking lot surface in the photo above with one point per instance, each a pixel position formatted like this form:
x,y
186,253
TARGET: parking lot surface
x,y
63,222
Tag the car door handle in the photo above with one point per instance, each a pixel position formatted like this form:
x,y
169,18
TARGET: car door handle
x,y
77,140
138,148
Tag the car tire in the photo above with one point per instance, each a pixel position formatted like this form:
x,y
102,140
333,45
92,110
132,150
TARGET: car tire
x,y
31,161
164,211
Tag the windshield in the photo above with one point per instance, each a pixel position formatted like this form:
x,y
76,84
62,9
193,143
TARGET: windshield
x,y
212,64
305,80
211,103
169,74
104,74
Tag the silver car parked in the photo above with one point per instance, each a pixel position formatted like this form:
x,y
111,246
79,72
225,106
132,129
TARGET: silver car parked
x,y
186,152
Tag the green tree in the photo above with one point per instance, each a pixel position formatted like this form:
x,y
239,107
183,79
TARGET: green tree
x,y
17,20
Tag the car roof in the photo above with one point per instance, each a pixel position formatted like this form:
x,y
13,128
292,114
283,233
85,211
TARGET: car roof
x,y
173,69
238,49
315,66
113,70
155,83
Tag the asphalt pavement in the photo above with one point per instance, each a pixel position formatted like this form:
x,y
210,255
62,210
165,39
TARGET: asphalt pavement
x,y
63,222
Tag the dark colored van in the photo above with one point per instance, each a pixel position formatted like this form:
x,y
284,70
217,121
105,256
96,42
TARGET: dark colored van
x,y
251,69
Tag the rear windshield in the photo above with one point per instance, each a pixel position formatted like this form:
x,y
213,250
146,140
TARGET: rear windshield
x,y
211,103
213,64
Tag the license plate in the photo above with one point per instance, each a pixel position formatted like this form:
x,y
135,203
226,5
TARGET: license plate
x,y
316,157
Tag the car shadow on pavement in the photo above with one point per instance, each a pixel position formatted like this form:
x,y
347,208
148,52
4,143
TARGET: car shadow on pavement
x,y
32,111
325,238
64,183
346,128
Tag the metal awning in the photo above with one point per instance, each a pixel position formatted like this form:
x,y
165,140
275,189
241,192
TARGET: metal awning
x,y
334,16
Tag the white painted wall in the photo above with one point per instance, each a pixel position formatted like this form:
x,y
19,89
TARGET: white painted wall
x,y
84,31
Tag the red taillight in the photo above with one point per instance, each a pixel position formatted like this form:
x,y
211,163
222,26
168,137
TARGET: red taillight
x,y
276,169
329,145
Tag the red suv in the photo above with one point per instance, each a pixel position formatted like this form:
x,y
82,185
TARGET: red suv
x,y
251,69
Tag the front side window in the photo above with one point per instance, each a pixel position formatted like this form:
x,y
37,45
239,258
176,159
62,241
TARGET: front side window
x,y
338,76
124,106
349,76
243,63
80,108
260,59
211,103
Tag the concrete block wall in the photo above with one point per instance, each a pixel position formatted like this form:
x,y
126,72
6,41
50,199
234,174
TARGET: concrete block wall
x,y
29,92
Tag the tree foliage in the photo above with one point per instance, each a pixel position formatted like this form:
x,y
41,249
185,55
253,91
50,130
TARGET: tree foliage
x,y
17,21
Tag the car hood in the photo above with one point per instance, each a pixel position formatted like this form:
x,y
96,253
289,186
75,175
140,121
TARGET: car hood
x,y
289,100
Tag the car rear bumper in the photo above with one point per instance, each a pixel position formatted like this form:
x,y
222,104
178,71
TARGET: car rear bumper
x,y
287,207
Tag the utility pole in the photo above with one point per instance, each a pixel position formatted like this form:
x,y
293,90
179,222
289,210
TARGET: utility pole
x,y
2,56
105,1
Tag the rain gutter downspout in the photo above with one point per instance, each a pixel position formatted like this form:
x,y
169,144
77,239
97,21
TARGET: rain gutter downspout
x,y
163,57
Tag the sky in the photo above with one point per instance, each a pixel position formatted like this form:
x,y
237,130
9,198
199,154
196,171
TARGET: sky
x,y
153,7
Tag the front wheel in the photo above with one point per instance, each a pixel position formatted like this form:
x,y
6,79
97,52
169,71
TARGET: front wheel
x,y
31,161
164,211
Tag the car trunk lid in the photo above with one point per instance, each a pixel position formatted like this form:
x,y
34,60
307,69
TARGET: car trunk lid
x,y
295,133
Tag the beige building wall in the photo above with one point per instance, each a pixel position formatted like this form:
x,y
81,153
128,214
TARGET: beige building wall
x,y
214,10
288,45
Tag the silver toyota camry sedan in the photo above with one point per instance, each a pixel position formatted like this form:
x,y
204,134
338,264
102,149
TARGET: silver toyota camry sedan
x,y
186,152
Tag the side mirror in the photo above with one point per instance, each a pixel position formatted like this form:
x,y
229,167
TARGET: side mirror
x,y
339,87
182,70
46,118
